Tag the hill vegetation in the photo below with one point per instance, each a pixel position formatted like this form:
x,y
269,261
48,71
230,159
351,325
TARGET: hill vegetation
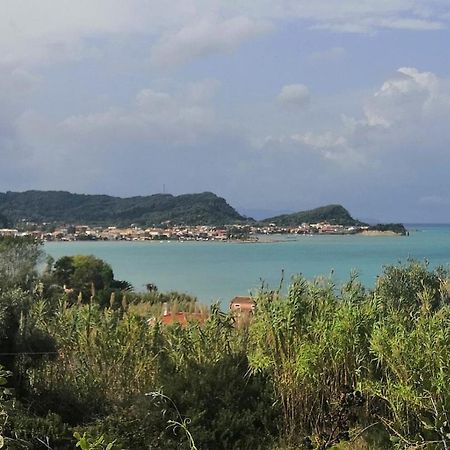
x,y
189,209
398,228
334,214
64,207
4,223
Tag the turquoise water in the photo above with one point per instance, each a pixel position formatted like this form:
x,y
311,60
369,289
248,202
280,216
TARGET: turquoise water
x,y
218,271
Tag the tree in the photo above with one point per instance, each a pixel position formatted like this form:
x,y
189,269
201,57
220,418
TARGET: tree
x,y
151,287
82,272
19,257
4,223
63,270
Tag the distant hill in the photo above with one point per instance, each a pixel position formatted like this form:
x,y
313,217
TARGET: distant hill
x,y
335,214
189,209
64,207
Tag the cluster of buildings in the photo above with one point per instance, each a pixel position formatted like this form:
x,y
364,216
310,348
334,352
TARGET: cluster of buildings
x,y
309,228
242,309
112,233
169,232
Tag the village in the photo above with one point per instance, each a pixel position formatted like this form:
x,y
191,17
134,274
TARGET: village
x,y
169,232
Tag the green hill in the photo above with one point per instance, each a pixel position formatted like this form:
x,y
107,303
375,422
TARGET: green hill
x,y
64,207
335,214
189,209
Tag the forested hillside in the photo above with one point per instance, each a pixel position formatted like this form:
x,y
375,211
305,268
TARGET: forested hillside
x,y
335,214
64,207
188,209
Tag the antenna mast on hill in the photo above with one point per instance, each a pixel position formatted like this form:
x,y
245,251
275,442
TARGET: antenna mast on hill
x,y
164,188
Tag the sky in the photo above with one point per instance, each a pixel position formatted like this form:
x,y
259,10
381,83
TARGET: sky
x,y
277,106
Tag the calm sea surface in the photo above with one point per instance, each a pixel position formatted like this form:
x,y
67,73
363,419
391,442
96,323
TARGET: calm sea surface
x,y
218,271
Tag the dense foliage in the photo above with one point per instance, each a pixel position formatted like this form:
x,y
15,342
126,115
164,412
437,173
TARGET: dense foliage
x,y
398,228
335,214
64,207
319,367
18,262
4,222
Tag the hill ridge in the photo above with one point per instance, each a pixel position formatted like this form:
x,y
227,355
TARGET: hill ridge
x,y
204,208
332,213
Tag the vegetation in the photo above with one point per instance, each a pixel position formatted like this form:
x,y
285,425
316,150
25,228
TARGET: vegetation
x,y
57,207
394,227
18,261
321,367
4,222
64,207
335,214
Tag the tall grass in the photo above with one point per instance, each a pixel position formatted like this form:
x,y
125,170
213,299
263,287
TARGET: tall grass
x,y
320,367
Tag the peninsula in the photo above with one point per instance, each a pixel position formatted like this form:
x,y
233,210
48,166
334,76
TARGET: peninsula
x,y
59,215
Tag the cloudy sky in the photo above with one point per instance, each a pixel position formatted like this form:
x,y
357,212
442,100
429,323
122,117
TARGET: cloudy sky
x,y
276,105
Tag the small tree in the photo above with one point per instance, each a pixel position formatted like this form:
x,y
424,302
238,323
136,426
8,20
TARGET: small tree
x,y
82,272
19,257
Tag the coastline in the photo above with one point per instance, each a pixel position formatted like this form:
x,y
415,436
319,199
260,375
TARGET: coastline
x,y
258,238
379,233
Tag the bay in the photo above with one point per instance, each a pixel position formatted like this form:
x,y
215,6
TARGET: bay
x,y
218,271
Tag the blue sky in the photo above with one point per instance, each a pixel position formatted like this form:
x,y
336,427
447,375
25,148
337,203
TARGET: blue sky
x,y
275,105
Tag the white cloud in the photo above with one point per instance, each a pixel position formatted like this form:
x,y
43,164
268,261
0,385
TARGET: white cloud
x,y
328,146
16,84
412,24
36,32
354,16
209,35
153,117
157,136
409,96
294,94
407,116
46,31
367,24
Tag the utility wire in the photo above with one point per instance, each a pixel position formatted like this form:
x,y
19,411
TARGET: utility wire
x,y
29,353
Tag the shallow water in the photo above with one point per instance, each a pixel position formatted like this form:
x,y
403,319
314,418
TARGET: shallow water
x,y
217,271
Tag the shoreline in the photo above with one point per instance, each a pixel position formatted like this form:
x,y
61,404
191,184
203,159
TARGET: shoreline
x,y
379,233
260,239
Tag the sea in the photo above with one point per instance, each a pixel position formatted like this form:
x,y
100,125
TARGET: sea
x,y
218,271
